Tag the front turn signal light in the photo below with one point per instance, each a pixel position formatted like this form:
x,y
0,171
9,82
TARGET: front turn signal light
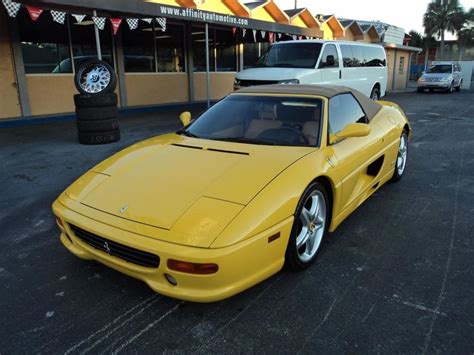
x,y
192,268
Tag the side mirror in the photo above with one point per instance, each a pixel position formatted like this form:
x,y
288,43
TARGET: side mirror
x,y
350,130
185,118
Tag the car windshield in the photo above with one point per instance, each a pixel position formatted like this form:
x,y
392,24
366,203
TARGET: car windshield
x,y
291,55
440,69
258,119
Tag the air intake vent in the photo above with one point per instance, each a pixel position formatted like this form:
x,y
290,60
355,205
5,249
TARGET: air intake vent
x,y
227,151
124,252
186,146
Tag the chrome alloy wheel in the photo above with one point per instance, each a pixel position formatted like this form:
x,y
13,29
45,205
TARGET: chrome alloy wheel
x,y
311,226
402,154
95,79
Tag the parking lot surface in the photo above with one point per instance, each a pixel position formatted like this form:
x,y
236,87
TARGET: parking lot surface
x,y
397,275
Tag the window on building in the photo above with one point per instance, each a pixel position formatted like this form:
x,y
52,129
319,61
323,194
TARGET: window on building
x,y
138,48
328,53
401,65
44,45
170,49
199,49
83,42
344,109
225,48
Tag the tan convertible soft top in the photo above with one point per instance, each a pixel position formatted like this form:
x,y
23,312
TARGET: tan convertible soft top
x,y
369,106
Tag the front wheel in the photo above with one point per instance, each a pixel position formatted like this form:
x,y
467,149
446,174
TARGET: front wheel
x,y
309,227
95,77
402,156
458,88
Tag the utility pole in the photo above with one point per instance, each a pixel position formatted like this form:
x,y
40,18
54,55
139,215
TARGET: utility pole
x,y
295,4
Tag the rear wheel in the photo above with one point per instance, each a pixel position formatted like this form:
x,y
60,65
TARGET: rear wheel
x,y
309,227
401,162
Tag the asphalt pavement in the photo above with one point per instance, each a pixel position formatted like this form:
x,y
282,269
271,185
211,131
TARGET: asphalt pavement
x,y
396,277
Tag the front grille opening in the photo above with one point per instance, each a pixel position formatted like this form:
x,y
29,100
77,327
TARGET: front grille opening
x,y
124,252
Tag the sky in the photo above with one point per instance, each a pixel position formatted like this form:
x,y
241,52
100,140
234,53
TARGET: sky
x,y
407,14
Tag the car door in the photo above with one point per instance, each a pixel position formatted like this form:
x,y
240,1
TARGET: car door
x,y
356,160
329,65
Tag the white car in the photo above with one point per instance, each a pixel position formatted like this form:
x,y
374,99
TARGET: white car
x,y
361,66
446,76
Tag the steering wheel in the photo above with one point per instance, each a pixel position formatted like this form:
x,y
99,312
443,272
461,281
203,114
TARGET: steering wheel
x,y
279,132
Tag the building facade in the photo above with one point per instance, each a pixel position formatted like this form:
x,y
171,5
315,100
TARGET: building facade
x,y
155,63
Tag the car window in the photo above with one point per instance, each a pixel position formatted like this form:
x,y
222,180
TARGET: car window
x,y
329,58
358,59
260,119
374,56
346,53
344,109
440,69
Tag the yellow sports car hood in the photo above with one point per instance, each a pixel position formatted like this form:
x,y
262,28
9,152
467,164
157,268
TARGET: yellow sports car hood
x,y
171,178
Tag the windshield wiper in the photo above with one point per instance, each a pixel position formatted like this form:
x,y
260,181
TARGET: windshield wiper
x,y
186,133
243,140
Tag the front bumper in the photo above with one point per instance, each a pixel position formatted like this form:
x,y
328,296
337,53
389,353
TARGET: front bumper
x,y
433,85
240,266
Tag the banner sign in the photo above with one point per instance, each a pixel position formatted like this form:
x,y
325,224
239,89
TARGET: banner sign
x,y
34,12
115,24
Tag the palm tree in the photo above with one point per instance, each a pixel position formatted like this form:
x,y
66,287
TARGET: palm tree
x,y
466,33
442,16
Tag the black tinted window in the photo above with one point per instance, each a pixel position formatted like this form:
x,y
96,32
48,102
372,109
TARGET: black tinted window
x,y
346,52
329,58
374,56
344,109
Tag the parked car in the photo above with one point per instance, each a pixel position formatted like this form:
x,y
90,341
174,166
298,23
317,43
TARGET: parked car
x,y
445,76
253,183
361,66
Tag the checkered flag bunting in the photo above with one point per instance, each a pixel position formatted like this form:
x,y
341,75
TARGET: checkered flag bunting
x,y
99,22
58,16
11,7
162,22
132,23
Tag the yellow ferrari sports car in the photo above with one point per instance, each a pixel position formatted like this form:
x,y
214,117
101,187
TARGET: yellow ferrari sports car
x,y
252,184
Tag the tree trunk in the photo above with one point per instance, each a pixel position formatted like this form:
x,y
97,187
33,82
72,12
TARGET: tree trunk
x,y
442,45
427,52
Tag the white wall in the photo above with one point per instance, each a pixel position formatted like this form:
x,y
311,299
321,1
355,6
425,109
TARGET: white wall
x,y
467,68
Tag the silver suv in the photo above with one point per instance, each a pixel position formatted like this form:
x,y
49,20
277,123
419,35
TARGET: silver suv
x,y
441,75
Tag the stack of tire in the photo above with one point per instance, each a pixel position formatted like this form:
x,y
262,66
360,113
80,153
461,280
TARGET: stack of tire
x,y
96,103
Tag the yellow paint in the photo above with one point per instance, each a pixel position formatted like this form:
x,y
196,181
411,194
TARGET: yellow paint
x,y
9,99
297,21
260,13
328,34
215,6
221,85
156,88
165,2
208,205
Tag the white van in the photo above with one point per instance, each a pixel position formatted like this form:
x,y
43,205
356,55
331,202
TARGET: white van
x,y
361,66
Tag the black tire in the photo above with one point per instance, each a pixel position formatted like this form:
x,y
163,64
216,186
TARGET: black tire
x,y
96,113
375,94
419,90
94,138
102,77
431,90
450,90
98,125
396,173
292,258
95,100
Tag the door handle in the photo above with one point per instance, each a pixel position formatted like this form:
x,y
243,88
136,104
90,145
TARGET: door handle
x,y
340,74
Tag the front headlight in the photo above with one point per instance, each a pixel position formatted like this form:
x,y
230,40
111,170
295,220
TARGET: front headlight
x,y
289,81
422,79
446,78
237,84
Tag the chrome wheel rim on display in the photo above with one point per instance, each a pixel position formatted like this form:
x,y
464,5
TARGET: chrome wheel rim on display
x,y
95,79
402,155
311,225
